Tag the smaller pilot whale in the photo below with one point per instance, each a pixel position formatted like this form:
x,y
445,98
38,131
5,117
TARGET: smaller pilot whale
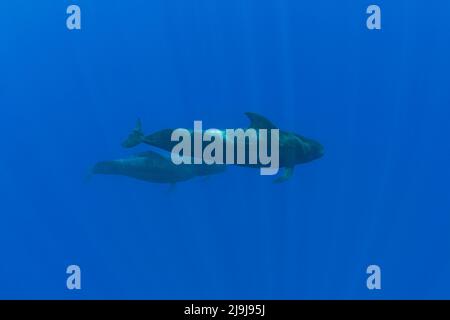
x,y
153,167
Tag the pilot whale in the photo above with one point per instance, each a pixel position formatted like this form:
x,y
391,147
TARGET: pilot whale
x,y
153,167
294,149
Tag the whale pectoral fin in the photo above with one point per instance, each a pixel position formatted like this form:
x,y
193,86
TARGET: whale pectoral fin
x,y
259,122
172,187
287,174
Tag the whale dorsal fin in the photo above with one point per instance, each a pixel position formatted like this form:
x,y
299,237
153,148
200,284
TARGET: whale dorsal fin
x,y
259,122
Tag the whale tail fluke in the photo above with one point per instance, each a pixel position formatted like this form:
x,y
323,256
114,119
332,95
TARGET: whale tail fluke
x,y
88,177
135,137
89,174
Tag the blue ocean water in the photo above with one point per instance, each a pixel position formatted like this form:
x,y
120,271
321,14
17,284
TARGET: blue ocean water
x,y
377,100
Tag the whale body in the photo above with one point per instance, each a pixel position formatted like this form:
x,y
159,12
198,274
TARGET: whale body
x,y
151,166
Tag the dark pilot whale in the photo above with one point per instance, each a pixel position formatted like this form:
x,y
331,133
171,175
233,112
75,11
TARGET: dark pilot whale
x,y
294,149
153,167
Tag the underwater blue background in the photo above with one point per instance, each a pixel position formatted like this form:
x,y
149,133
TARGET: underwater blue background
x,y
379,101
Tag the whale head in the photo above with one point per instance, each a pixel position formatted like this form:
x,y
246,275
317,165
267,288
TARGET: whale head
x,y
316,149
306,149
